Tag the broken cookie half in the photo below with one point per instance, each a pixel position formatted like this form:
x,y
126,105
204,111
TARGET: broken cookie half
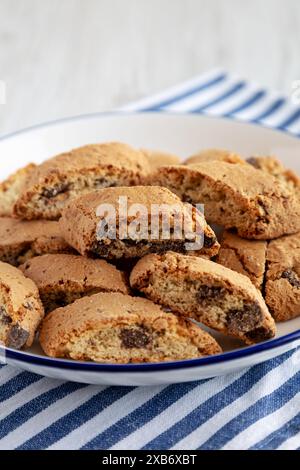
x,y
152,219
62,279
117,328
236,196
21,310
211,294
64,177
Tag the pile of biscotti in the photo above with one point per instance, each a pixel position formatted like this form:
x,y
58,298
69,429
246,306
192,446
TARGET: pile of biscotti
x,y
123,299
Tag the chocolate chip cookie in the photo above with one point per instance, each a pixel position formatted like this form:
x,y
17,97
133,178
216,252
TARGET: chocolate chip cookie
x,y
12,187
236,196
58,180
282,290
20,308
216,155
151,225
117,328
21,240
206,291
62,279
247,257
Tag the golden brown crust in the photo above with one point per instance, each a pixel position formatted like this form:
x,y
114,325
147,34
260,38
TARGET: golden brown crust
x,y
157,158
21,240
59,180
21,309
209,155
274,167
283,277
12,187
236,196
61,279
247,257
81,214
91,320
212,294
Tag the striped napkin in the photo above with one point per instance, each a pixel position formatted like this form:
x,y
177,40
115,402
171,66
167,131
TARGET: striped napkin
x,y
257,408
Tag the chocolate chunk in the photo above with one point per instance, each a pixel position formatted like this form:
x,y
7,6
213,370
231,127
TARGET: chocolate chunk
x,y
210,293
209,241
245,319
56,190
135,337
4,317
187,199
260,334
292,277
17,337
104,183
28,305
101,249
253,161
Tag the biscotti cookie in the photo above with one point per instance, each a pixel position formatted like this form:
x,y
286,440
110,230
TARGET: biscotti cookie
x,y
80,224
206,291
236,196
12,187
21,240
247,257
282,290
117,328
20,308
62,279
209,155
274,167
157,159
64,177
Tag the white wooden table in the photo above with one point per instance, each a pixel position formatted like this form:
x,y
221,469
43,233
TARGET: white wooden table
x,y
67,57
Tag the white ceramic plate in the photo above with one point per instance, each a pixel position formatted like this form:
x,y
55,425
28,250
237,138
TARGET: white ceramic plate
x,y
175,133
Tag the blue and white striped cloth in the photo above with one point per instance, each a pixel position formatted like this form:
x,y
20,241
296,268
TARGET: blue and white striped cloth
x,y
258,408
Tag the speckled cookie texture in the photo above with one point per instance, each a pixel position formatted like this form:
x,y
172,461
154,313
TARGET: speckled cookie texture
x,y
12,187
236,196
116,328
115,243
247,257
282,290
272,166
21,310
157,159
210,155
62,279
58,180
21,240
206,291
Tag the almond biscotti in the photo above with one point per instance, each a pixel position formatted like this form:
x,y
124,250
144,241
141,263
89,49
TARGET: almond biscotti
x,y
157,159
117,328
80,225
213,155
20,240
21,310
62,279
236,196
247,257
12,187
58,180
206,291
282,289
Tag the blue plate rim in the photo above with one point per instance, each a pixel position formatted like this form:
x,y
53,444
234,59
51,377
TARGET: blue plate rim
x,y
209,360
34,359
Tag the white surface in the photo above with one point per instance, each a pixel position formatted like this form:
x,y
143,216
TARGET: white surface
x,y
179,134
65,57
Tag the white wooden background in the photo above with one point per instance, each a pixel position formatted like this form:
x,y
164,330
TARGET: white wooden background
x,y
67,57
